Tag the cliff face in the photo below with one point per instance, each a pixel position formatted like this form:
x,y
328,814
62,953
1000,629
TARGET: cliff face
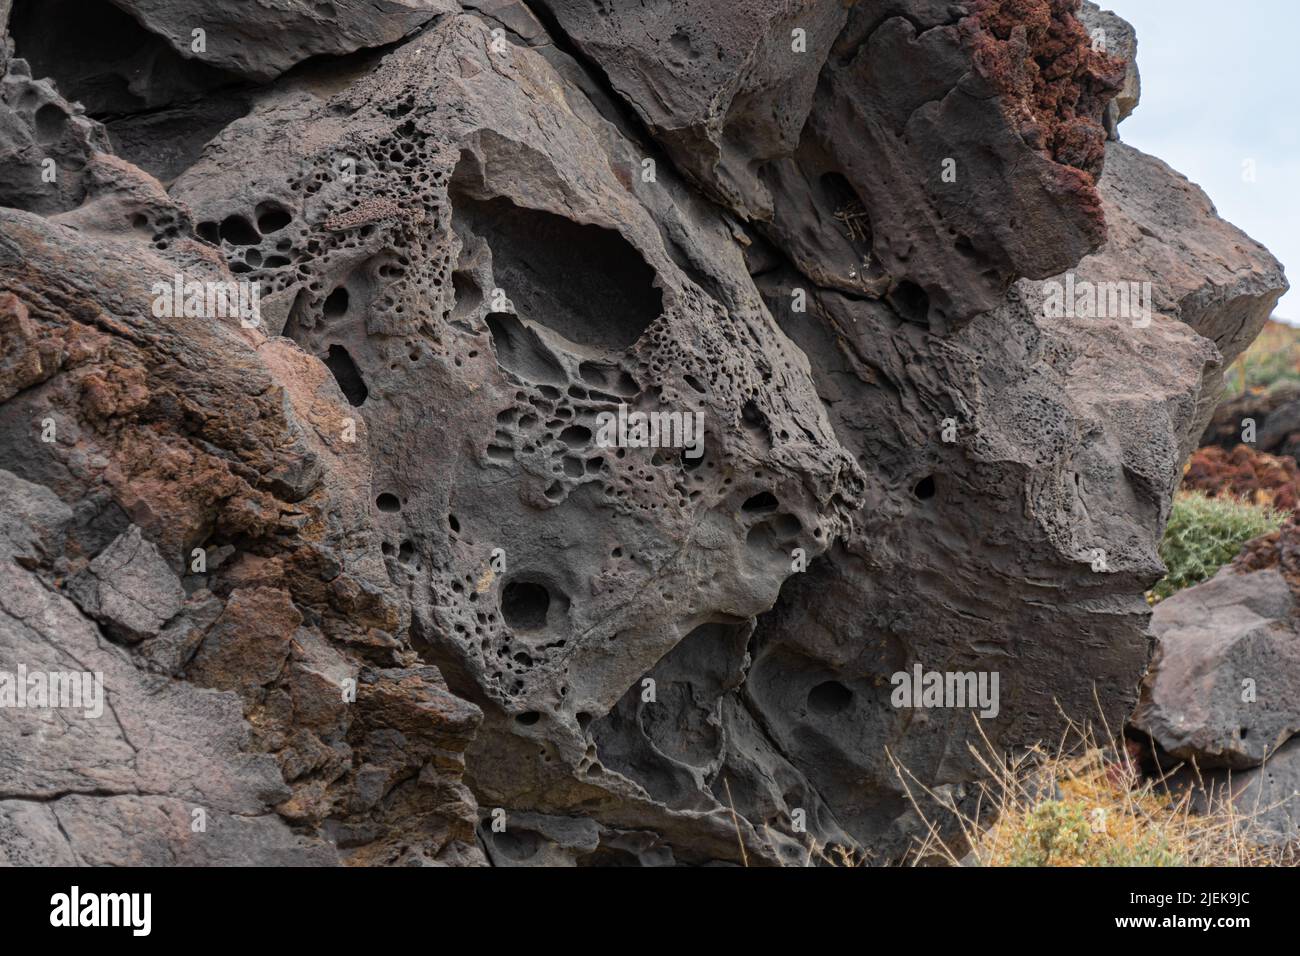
x,y
364,579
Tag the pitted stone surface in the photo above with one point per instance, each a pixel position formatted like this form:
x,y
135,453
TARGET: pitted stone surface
x,y
418,593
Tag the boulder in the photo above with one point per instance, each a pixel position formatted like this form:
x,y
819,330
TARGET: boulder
x,y
1224,685
437,577
1268,419
1264,800
128,588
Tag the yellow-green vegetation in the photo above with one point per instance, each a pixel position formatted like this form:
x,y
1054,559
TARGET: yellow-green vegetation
x,y
1073,833
1085,804
1204,534
1272,358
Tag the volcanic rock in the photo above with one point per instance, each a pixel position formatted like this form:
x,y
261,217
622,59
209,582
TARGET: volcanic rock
x,y
1225,682
1269,419
442,619
1265,800
261,41
128,588
1114,35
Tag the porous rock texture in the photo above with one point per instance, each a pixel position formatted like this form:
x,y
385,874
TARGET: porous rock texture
x,y
363,585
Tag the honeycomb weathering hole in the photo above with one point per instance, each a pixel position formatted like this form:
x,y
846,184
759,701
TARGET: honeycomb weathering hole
x,y
586,283
272,218
524,605
576,436
911,302
336,304
237,231
346,373
520,350
829,697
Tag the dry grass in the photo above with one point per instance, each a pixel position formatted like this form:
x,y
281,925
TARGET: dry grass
x,y
1084,803
854,219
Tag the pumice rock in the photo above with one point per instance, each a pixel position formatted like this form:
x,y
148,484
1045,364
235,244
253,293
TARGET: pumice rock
x,y
376,550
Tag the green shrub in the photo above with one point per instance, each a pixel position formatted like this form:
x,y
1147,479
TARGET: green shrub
x,y
1054,833
1204,534
1068,833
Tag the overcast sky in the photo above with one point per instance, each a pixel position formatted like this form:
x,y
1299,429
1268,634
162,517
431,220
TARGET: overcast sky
x,y
1219,86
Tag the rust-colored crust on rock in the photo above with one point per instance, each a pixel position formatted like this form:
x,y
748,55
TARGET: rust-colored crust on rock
x,y
1054,85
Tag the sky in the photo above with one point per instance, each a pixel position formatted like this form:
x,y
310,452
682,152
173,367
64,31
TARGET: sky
x,y
1220,86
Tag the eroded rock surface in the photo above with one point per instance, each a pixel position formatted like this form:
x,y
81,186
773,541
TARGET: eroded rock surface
x,y
377,527
262,40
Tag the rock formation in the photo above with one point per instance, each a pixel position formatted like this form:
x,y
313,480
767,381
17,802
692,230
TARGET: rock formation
x,y
364,580
1222,697
1269,419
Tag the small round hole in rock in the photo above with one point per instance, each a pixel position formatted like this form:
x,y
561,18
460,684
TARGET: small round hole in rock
x,y
576,436
528,718
763,501
524,605
337,303
388,503
925,488
829,697
911,302
272,218
237,231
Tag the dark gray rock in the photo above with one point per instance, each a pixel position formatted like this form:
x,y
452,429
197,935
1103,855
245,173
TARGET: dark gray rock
x,y
1224,687
262,41
45,143
128,588
433,599
1264,800
724,89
